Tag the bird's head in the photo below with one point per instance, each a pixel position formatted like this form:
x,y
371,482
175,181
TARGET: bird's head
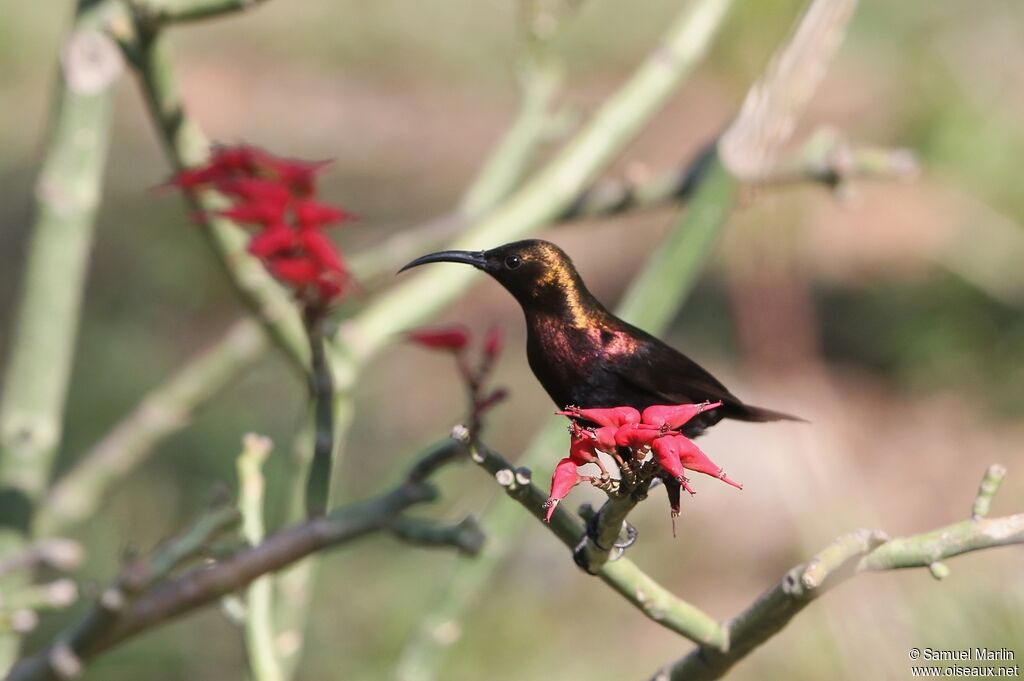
x,y
534,271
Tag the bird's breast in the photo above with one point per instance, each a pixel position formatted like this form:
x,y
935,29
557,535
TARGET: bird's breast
x,y
569,361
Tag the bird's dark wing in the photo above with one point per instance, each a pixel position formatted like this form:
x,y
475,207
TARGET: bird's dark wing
x,y
668,376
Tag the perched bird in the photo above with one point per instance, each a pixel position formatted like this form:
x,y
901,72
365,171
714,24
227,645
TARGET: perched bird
x,y
584,355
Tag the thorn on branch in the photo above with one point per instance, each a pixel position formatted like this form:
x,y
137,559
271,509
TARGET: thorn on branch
x,y
987,490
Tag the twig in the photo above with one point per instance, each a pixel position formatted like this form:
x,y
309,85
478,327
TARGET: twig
x,y
259,612
65,656
465,535
143,599
858,551
750,147
318,482
986,490
165,410
155,14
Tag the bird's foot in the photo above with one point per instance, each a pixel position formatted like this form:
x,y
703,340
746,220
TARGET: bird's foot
x,y
605,483
627,537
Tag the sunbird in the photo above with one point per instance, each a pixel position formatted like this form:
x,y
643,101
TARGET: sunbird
x,y
583,355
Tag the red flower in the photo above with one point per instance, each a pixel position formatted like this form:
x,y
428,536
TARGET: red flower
x,y
636,435
320,250
278,197
614,416
299,271
583,446
258,213
309,213
254,190
275,240
624,428
451,338
675,416
493,342
563,480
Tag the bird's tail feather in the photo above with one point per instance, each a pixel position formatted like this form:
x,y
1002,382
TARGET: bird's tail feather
x,y
748,412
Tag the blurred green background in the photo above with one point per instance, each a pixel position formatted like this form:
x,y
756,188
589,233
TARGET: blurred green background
x,y
889,316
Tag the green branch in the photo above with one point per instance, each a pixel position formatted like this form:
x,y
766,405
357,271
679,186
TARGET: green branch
x,y
858,551
622,575
155,14
64,658
146,595
260,641
45,327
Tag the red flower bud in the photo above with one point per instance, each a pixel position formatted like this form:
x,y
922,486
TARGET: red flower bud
x,y
605,438
241,159
277,240
451,338
493,342
254,190
496,397
300,176
675,416
258,213
636,435
583,446
311,214
614,416
666,451
321,250
563,480
691,457
298,271
190,178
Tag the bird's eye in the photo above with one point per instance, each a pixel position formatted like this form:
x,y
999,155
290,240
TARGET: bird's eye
x,y
512,262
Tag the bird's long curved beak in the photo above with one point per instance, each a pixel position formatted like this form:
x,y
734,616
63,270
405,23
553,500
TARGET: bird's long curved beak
x,y
474,258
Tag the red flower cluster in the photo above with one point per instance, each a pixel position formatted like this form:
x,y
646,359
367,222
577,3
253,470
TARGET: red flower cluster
x,y
622,430
276,197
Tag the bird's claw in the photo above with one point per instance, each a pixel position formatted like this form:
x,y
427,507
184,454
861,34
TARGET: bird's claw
x,y
627,537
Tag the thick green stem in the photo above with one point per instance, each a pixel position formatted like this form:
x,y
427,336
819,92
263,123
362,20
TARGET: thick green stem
x,y
46,325
506,165
855,552
155,14
259,597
